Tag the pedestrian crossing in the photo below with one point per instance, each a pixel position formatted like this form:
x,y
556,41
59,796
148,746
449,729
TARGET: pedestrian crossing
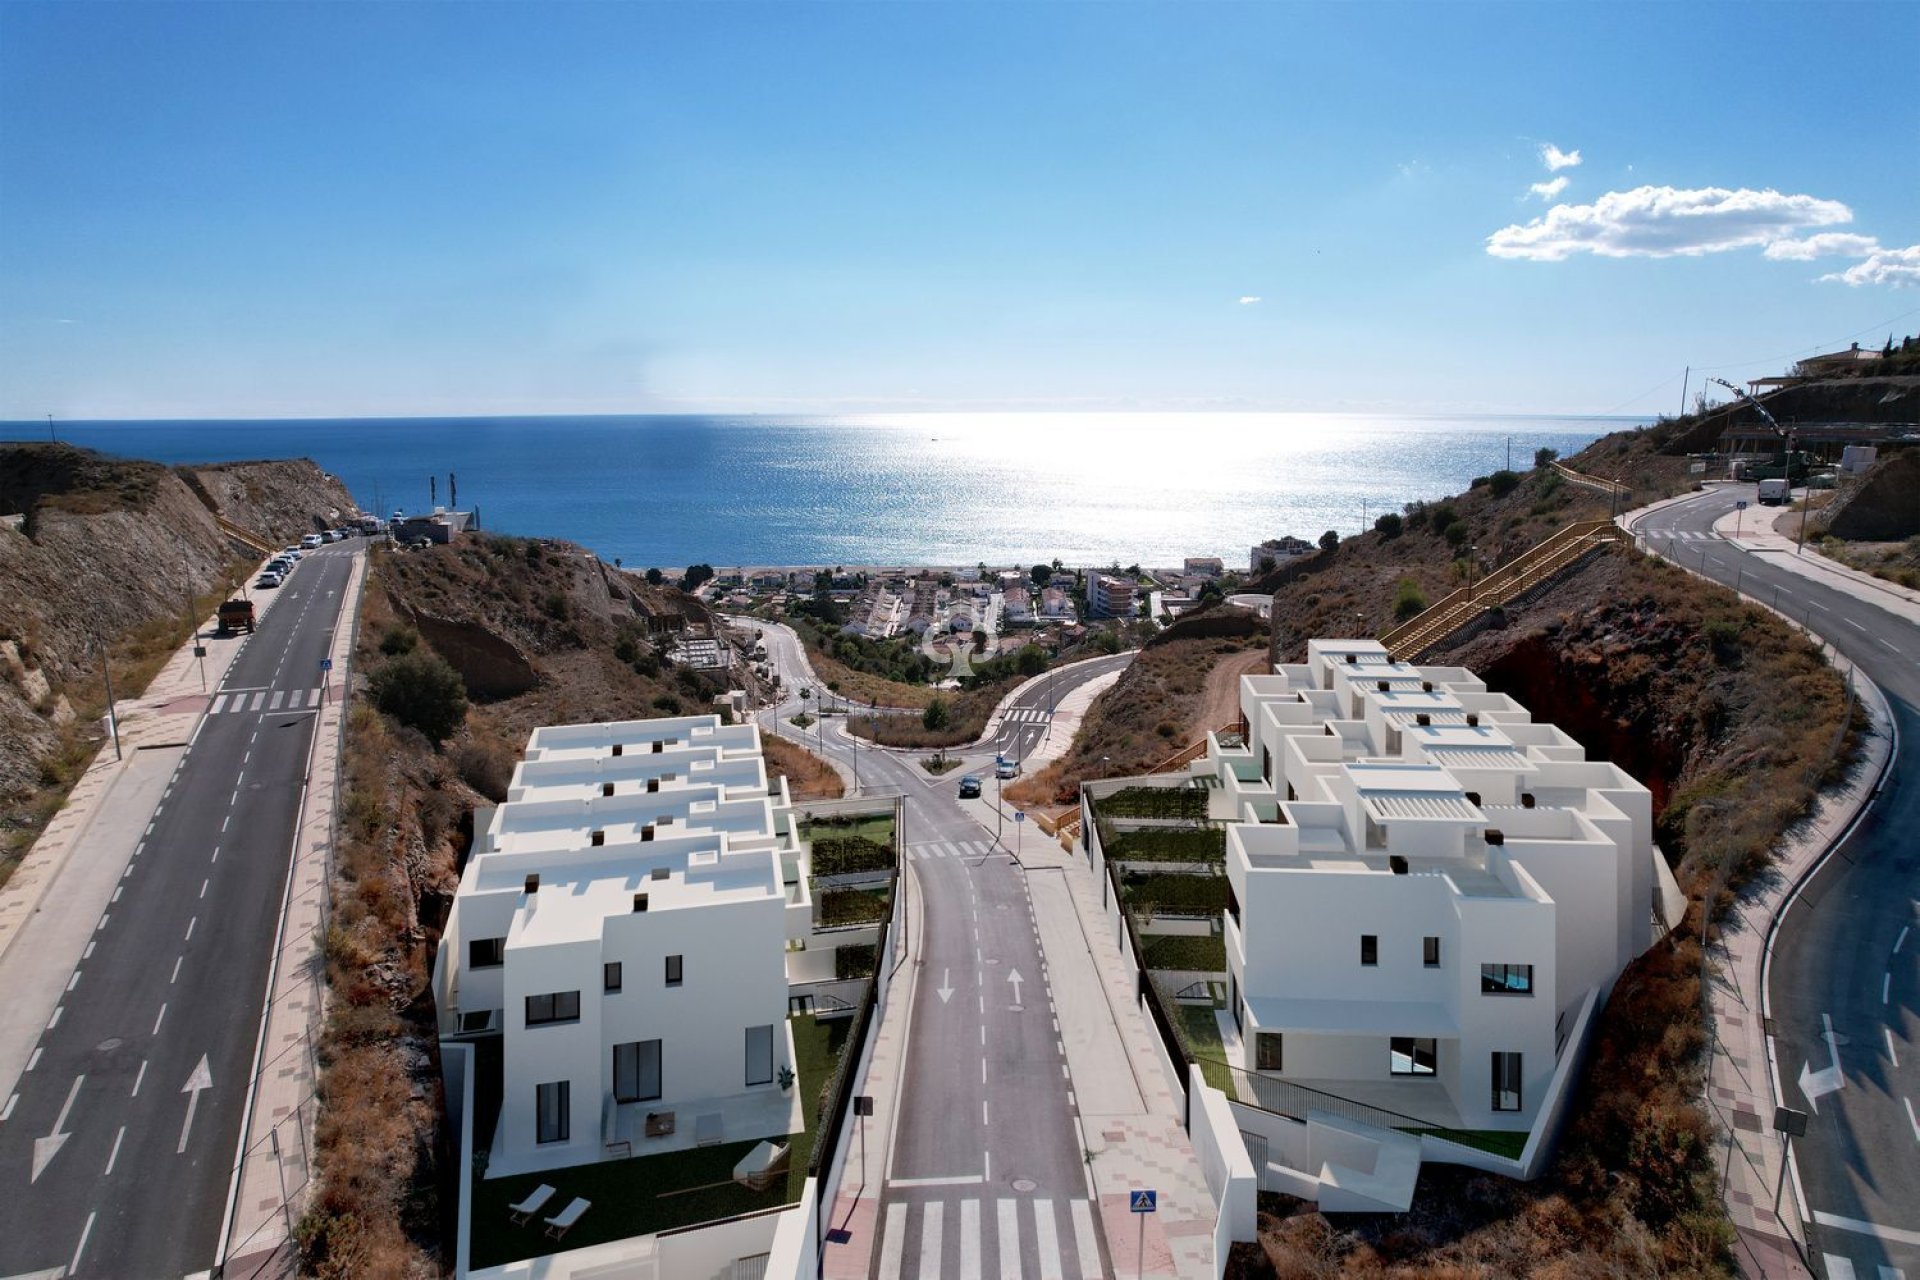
x,y
932,849
971,1237
1842,1268
247,700
1025,715
1683,535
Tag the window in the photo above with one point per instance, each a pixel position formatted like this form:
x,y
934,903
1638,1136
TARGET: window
x,y
555,1006
1413,1056
1430,952
1506,979
1266,1051
611,973
636,1071
1233,1002
1506,1082
760,1055
486,953
675,970
1369,948
551,1107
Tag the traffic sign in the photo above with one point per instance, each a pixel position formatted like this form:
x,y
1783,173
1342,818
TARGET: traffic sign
x,y
326,664
1019,815
1741,505
1142,1201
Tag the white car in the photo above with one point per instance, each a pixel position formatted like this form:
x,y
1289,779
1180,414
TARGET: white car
x,y
268,579
310,542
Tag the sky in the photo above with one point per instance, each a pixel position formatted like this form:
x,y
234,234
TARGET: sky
x,y
287,209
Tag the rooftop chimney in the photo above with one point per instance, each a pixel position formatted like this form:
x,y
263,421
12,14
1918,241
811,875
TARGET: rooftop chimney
x,y
606,788
1526,800
639,903
1495,836
1397,864
1352,658
1423,719
617,748
533,884
1426,686
1473,719
599,838
1382,685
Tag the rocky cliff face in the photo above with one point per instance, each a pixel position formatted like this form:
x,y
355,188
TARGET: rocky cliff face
x,y
110,553
1885,506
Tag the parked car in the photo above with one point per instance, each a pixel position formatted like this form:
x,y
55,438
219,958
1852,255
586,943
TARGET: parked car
x,y
310,542
236,615
268,579
969,788
291,553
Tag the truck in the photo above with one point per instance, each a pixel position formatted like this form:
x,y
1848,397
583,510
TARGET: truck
x,y
236,615
1774,492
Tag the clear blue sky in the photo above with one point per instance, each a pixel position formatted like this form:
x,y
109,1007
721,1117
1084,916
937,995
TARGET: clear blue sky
x,y
334,209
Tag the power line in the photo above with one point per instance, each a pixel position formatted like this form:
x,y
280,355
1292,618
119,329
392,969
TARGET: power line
x,y
1794,354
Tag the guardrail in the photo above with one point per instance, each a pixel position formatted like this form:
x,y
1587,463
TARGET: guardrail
x,y
246,537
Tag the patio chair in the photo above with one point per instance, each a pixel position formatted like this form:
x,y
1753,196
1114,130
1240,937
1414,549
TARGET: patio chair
x,y
562,1222
536,1201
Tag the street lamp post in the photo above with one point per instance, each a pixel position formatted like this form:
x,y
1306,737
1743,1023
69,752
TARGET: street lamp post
x,y
1472,554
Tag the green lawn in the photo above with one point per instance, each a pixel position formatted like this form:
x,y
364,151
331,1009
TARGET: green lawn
x,y
1500,1142
836,907
1202,1032
655,1193
1206,953
876,827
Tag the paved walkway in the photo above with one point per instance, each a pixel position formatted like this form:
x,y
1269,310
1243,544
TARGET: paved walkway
x,y
1742,1089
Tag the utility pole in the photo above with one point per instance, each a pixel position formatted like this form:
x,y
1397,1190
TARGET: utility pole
x,y
51,438
1685,379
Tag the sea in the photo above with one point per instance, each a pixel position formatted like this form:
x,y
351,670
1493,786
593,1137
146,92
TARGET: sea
x,y
920,489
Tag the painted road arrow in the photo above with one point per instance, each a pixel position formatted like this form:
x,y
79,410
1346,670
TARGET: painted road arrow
x,y
945,989
200,1079
1817,1084
1013,976
45,1149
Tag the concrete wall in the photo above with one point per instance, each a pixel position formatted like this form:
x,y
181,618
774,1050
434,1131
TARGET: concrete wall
x,y
1223,1160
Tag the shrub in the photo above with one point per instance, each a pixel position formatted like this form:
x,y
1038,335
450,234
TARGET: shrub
x,y
842,855
1408,600
1186,894
1456,533
936,716
1167,844
1156,802
668,703
851,906
1388,525
421,691
1329,540
487,767
1544,457
1503,483
397,640
854,962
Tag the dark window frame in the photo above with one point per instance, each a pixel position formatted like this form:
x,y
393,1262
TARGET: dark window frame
x,y
751,1073
612,976
1262,1059
552,1007
676,970
1369,950
1430,951
493,947
630,1079
1507,1067
1499,979
1414,1069
562,1129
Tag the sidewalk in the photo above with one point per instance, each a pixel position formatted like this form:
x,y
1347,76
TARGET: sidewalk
x,y
275,1161
1743,1084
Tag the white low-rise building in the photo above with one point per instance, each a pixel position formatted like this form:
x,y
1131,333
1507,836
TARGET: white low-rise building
x,y
1426,887
622,925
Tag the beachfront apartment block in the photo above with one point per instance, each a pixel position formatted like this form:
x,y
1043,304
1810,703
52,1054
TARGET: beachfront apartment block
x,y
1427,888
622,928
1111,597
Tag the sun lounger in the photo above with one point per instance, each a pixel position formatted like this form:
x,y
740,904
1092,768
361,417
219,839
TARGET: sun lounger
x,y
536,1201
760,1166
562,1222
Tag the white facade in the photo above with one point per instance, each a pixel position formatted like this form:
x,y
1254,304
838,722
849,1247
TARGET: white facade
x,y
1110,597
622,924
1422,879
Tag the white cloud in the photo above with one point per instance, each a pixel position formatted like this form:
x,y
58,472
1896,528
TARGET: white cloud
x,y
1826,244
1887,266
1555,159
1664,222
1250,299
1548,190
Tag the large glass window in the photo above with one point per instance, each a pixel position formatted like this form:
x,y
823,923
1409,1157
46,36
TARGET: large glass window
x,y
486,953
551,1105
1266,1051
760,1055
636,1071
1506,1082
1413,1056
555,1006
1506,979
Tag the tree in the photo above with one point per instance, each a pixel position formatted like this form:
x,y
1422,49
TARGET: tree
x,y
694,576
936,716
1408,600
1388,525
1031,660
420,690
1543,457
1329,540
1503,483
655,577
823,580
1040,573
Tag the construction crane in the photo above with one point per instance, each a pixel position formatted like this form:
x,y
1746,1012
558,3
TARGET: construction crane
x,y
1785,433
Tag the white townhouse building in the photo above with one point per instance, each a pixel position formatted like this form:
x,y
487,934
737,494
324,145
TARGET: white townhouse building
x,y
1425,885
622,926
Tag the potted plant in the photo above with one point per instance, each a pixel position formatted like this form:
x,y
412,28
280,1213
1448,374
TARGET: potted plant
x,y
786,1078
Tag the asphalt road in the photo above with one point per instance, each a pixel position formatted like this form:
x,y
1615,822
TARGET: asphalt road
x,y
117,1153
985,1164
1845,956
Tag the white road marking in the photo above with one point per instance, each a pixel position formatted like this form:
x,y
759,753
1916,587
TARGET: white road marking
x,y
176,970
203,887
931,1215
1901,941
224,821
45,1149
958,1180
1861,1227
161,1018
115,1154
1850,622
82,1246
117,891
198,1082
7,1110
1010,1238
73,981
1838,1268
138,1078
216,853
970,1239
190,924
103,924
1912,1119
127,872
55,1020
218,703
1085,1243
983,1111
88,953
893,1240
1886,985
1888,1033
1047,1238
34,1061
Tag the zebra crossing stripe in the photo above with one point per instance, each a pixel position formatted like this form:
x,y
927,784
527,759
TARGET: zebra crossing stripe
x,y
1047,1239
1010,1238
277,695
930,1218
1085,1243
895,1243
258,698
969,1239
218,702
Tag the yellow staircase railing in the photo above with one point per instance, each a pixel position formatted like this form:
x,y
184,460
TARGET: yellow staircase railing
x,y
1519,575
245,537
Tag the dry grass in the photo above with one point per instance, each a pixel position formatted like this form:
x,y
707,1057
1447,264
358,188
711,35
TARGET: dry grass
x,y
808,776
1896,562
